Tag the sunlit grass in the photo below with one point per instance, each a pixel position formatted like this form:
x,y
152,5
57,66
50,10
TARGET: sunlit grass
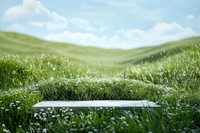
x,y
181,71
14,43
172,82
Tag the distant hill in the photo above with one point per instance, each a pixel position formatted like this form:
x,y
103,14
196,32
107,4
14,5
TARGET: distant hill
x,y
16,43
154,53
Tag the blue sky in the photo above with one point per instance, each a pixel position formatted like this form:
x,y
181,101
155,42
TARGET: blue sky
x,y
103,23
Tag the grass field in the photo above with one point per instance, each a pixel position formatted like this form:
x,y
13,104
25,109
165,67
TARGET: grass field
x,y
33,70
16,43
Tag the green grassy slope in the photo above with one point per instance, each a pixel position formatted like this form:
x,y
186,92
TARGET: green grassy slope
x,y
16,43
173,82
150,54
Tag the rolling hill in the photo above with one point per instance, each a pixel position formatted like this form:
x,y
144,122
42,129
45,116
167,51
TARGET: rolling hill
x,y
27,77
15,43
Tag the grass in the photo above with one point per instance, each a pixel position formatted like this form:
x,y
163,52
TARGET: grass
x,y
100,89
15,43
172,81
179,71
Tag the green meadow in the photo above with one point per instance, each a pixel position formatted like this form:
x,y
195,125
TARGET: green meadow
x,y
32,70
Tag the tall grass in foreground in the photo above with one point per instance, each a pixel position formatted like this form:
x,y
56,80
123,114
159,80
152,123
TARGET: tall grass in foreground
x,y
181,71
172,82
20,70
100,89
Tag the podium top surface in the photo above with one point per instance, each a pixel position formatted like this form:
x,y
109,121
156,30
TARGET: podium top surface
x,y
97,104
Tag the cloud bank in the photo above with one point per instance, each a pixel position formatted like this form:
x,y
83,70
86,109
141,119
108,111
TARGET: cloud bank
x,y
36,14
128,38
110,32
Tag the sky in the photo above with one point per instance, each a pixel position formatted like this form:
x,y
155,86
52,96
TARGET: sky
x,y
103,23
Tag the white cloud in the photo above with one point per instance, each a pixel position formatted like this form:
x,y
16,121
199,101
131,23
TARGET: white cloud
x,y
127,38
49,25
77,38
17,27
189,17
193,17
86,39
160,33
35,13
130,33
83,24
